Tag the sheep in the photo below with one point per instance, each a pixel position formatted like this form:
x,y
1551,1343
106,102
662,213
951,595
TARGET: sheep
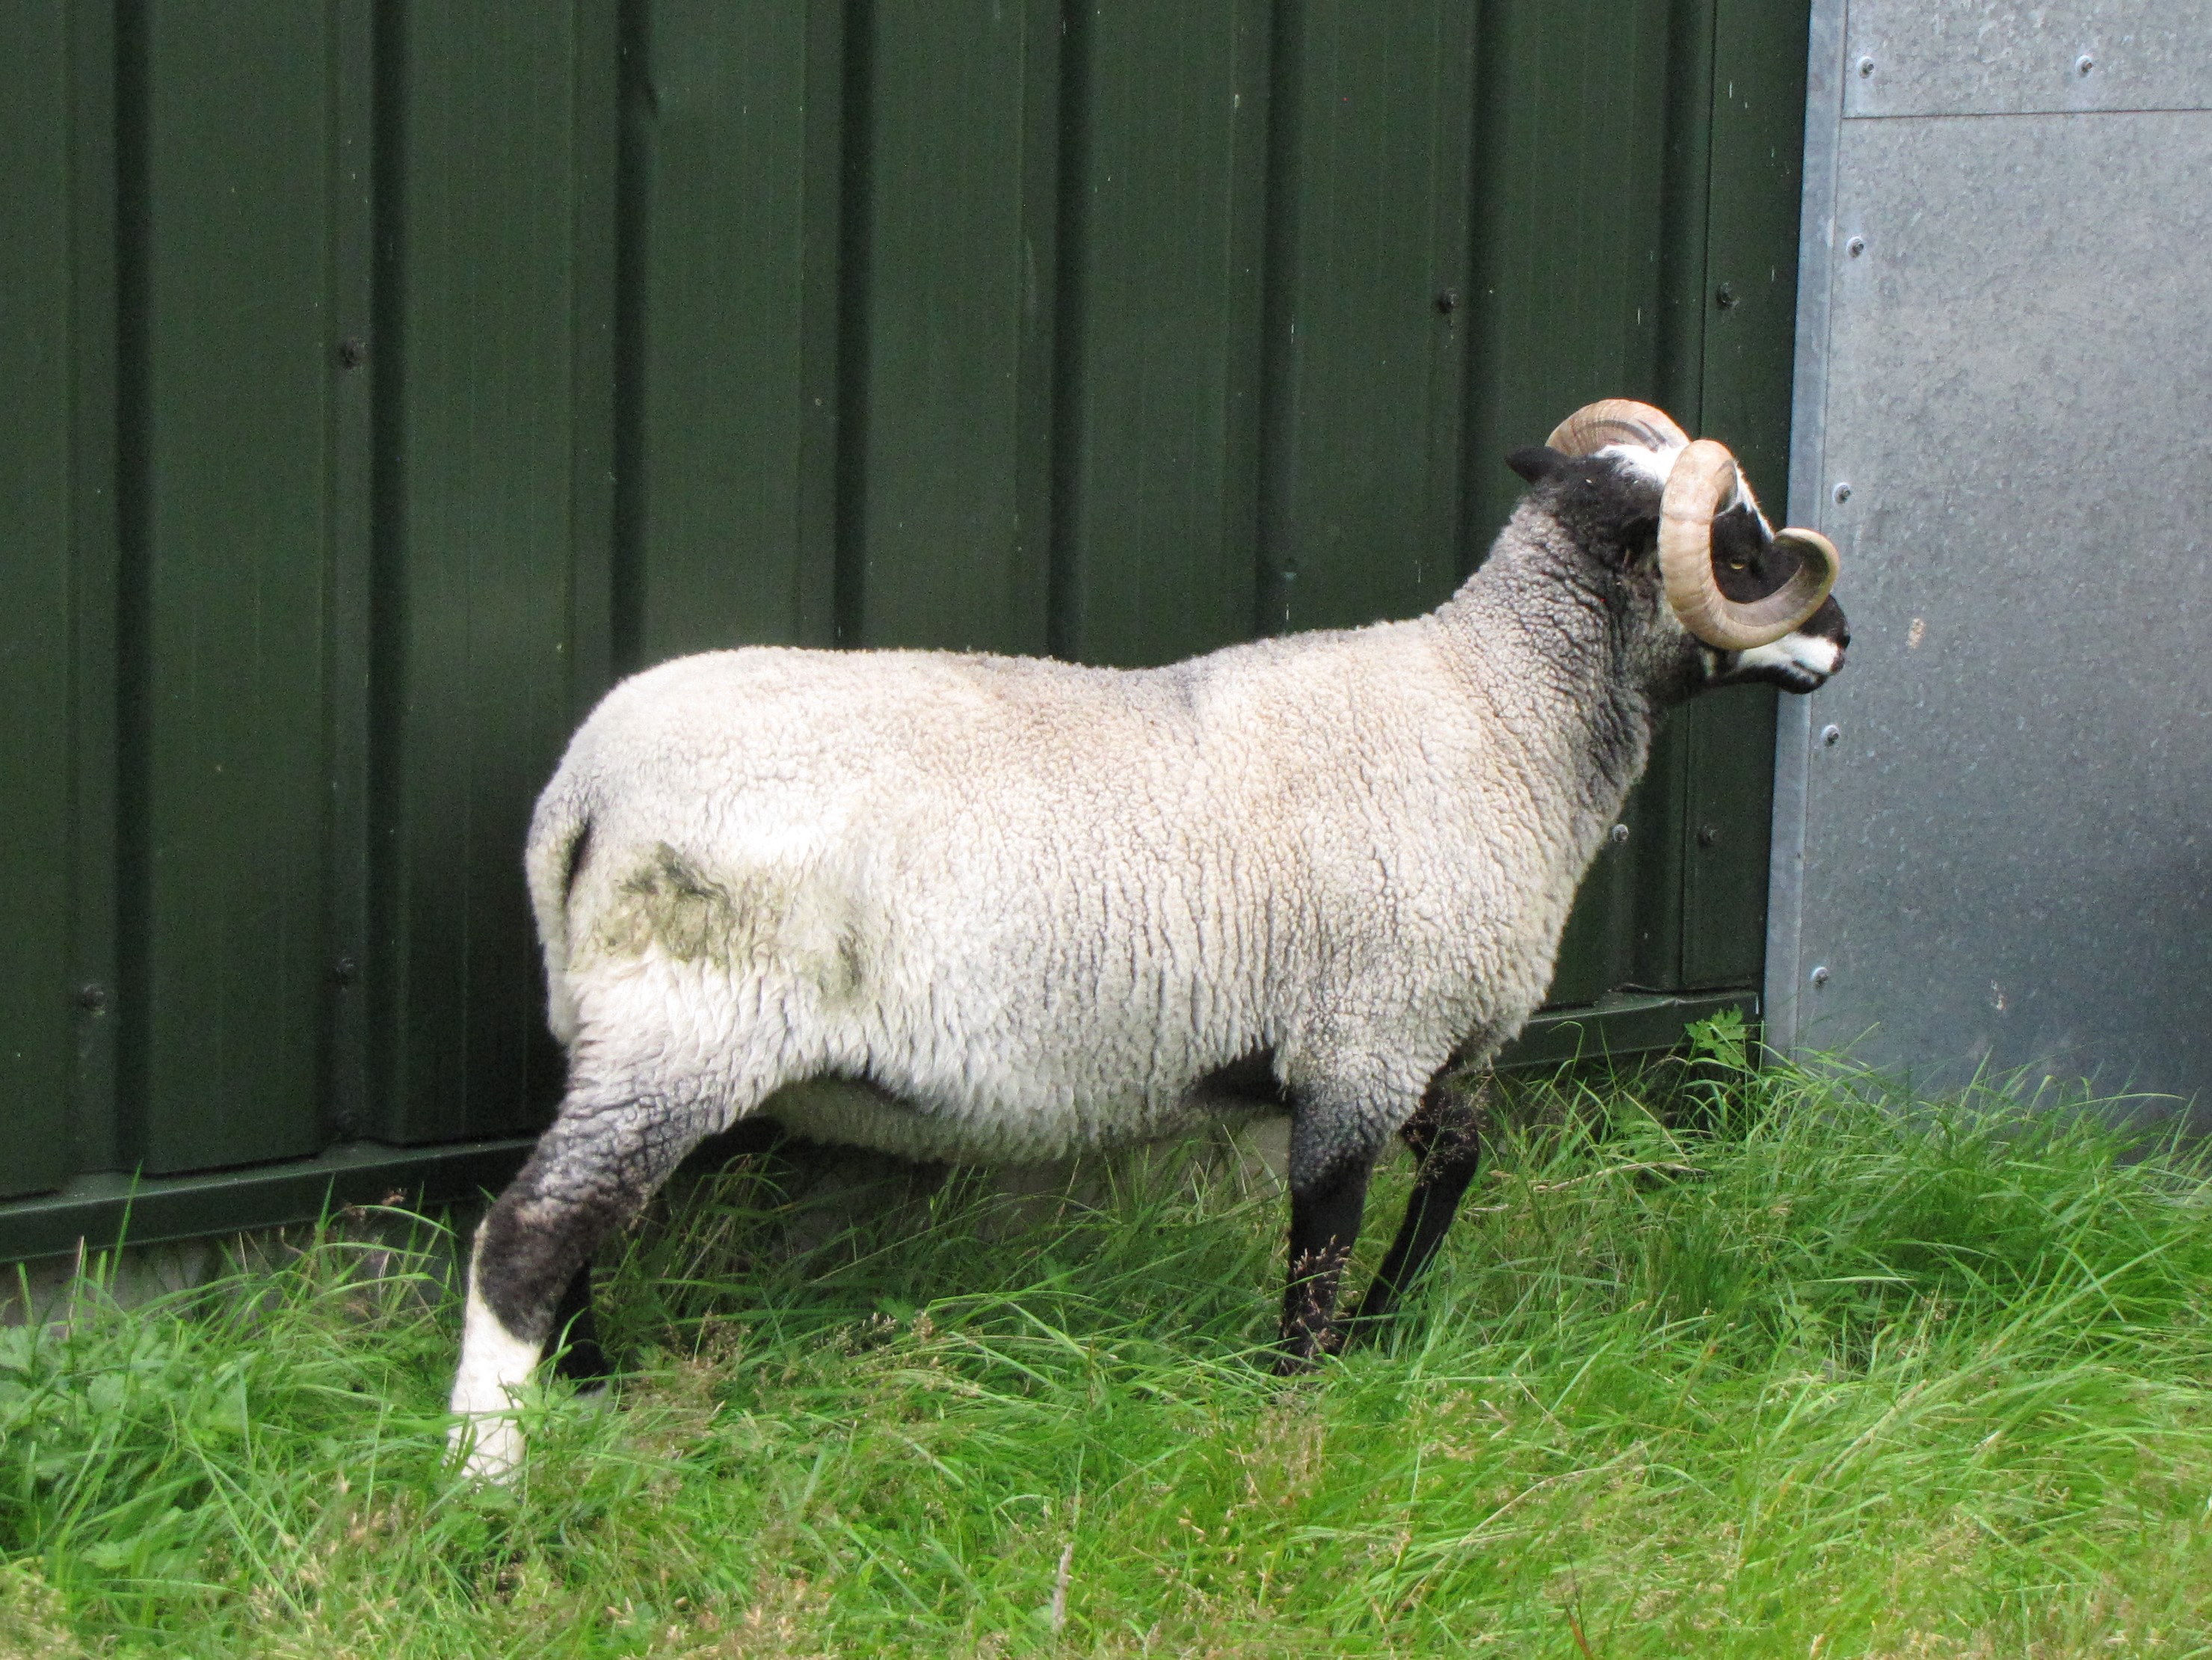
x,y
984,909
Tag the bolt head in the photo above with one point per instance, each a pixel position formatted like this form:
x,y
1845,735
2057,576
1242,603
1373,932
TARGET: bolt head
x,y
1447,303
1620,834
93,999
1866,68
2084,63
1819,976
353,353
1830,736
1856,246
1843,493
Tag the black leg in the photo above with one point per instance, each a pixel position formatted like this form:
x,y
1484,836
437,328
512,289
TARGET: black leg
x,y
1324,1223
576,1329
591,1171
1446,1134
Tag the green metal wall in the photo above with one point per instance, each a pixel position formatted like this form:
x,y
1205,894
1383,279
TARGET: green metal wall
x,y
379,381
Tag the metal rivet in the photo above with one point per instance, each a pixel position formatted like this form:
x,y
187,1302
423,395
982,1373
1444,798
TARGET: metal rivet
x,y
1819,976
2084,63
353,352
1843,493
93,999
1447,303
1725,297
1866,68
1619,833
1830,736
1856,246
344,971
1707,836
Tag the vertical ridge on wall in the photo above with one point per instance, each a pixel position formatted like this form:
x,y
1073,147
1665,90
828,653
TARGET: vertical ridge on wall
x,y
350,338
1367,342
36,483
1163,171
731,120
855,271
92,555
961,199
128,1107
498,540
231,565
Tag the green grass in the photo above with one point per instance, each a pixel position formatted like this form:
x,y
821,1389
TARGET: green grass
x,y
1822,1377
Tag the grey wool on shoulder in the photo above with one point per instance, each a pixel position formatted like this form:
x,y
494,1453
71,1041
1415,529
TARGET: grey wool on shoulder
x,y
993,909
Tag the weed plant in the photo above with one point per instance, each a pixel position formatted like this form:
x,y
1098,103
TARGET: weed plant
x,y
1716,1363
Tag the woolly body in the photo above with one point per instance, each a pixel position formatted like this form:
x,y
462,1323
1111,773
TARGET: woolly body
x,y
1032,907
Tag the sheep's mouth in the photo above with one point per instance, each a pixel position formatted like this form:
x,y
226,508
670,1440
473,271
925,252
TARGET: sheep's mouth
x,y
1797,662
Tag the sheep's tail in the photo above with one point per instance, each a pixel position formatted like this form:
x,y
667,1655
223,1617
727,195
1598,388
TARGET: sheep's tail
x,y
560,835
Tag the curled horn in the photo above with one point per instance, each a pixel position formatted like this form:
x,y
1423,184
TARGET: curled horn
x,y
1703,477
1615,420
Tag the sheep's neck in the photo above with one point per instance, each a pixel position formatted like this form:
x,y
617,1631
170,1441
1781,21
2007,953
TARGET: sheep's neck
x,y
1545,650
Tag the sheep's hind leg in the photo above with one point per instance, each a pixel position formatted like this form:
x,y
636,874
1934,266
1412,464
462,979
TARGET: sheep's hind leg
x,y
580,1359
1446,1136
590,1173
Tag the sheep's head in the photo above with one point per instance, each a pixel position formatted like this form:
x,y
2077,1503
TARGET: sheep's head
x,y
1734,600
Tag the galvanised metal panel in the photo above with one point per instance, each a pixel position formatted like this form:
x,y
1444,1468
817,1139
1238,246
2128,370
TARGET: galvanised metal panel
x,y
35,1016
2005,858
496,520
2001,57
544,346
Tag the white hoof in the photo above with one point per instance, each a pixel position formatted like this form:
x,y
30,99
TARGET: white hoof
x,y
490,1448
495,1366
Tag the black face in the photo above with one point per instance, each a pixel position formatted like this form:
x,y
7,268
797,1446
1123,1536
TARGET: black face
x,y
1749,564
1612,509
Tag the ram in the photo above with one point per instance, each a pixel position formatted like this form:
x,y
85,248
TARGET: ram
x,y
990,909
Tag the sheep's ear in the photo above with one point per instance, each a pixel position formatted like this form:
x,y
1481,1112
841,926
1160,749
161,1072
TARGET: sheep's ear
x,y
1535,463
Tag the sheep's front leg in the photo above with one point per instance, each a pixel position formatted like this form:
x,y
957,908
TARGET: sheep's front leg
x,y
1337,1127
1446,1136
1324,1225
589,1175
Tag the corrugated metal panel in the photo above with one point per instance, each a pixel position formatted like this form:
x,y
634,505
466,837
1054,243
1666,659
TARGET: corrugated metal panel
x,y
377,381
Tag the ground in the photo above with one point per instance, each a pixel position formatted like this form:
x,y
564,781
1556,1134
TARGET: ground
x,y
1717,1364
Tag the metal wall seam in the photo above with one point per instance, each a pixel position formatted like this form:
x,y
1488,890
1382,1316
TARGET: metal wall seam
x,y
350,359
93,554
1793,736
